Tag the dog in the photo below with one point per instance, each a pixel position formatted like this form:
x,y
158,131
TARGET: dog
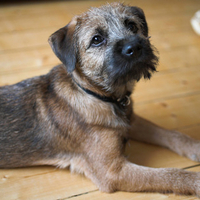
x,y
80,115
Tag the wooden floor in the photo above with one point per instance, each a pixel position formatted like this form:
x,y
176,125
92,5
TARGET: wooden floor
x,y
171,99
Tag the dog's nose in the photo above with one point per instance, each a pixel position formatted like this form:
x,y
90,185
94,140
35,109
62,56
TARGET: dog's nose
x,y
132,50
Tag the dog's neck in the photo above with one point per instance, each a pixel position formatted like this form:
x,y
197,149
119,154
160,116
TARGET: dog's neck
x,y
121,101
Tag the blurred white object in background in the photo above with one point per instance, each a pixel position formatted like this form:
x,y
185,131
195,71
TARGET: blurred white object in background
x,y
195,21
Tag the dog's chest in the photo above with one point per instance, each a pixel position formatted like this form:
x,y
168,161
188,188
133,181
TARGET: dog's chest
x,y
104,114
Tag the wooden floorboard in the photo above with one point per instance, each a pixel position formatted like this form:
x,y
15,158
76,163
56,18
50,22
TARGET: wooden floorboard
x,y
170,99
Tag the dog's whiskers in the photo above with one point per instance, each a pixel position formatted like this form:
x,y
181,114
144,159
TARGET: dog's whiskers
x,y
148,37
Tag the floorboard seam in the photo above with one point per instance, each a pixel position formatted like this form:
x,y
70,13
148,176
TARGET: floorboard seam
x,y
77,195
193,166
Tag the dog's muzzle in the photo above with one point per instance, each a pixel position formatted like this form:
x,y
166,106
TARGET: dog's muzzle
x,y
130,48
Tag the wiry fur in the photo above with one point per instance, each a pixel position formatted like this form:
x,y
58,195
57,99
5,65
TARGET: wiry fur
x,y
52,120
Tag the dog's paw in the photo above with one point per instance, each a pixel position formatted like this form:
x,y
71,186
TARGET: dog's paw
x,y
188,183
195,157
198,186
193,152
186,146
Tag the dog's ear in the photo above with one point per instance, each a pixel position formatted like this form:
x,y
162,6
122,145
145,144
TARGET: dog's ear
x,y
140,14
63,44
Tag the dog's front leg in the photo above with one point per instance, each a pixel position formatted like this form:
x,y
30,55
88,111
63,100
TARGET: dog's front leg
x,y
145,131
122,175
138,178
106,166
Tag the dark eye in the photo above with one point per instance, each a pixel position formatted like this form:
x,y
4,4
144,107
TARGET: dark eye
x,y
97,41
130,25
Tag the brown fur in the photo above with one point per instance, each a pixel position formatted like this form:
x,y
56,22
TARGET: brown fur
x,y
54,120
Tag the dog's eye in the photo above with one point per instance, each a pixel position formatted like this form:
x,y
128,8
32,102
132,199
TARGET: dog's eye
x,y
131,26
97,41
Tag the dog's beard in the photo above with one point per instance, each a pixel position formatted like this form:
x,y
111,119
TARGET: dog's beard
x,y
121,71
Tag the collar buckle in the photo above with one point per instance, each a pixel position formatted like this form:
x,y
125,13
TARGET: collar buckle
x,y
124,101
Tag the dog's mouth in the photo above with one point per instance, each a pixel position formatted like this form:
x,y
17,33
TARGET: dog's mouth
x,y
132,59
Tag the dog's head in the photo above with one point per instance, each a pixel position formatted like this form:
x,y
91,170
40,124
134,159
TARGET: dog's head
x,y
109,45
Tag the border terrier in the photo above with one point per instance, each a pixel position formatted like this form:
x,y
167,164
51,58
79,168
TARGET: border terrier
x,y
80,114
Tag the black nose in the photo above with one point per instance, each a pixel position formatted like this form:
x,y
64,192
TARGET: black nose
x,y
132,49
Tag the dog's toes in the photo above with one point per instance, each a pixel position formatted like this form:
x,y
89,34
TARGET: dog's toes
x,y
194,154
191,155
198,187
195,184
194,157
192,150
